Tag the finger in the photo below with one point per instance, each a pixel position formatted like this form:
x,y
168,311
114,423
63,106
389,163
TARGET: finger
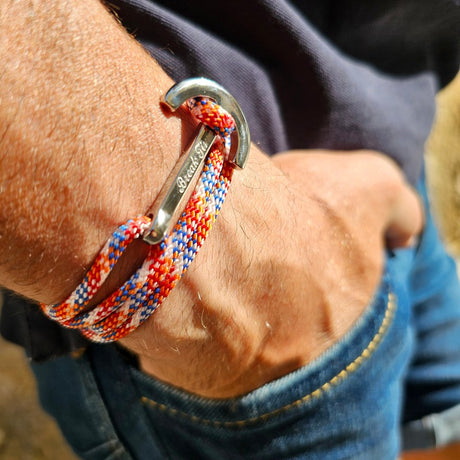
x,y
406,219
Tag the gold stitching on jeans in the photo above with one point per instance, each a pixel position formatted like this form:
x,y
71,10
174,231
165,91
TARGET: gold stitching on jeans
x,y
343,374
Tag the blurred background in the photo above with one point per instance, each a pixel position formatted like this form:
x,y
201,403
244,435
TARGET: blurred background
x,y
443,164
26,433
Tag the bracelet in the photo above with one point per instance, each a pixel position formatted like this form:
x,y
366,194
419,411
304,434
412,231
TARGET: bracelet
x,y
175,234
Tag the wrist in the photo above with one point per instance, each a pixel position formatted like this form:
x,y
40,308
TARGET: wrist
x,y
222,306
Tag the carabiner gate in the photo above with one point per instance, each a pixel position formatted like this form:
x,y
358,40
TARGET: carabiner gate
x,y
166,215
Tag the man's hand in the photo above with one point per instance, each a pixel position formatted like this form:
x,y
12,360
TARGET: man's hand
x,y
293,261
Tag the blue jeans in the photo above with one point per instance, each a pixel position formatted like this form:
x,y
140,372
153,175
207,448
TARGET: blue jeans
x,y
399,362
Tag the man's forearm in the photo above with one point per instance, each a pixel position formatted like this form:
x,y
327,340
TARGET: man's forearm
x,y
83,142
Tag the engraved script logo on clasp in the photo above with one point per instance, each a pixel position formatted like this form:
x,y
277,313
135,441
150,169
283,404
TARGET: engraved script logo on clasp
x,y
195,160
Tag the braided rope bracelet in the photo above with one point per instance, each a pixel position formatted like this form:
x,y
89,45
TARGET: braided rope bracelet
x,y
166,262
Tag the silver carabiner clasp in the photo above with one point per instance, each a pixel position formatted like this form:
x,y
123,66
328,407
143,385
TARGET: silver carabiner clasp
x,y
167,213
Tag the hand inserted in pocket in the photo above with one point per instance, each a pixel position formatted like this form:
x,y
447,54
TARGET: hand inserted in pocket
x,y
291,264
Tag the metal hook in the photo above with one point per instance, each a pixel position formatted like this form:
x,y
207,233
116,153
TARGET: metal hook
x,y
167,213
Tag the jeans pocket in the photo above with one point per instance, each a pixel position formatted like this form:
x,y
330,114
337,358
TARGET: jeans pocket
x,y
345,404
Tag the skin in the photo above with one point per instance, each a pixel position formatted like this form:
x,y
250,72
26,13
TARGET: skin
x,y
291,263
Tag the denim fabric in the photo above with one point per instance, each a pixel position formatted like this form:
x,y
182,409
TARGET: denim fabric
x,y
348,403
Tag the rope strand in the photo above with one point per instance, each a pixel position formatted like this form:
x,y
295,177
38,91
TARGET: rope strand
x,y
138,298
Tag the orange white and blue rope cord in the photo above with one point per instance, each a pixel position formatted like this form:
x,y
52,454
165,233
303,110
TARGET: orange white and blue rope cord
x,y
130,305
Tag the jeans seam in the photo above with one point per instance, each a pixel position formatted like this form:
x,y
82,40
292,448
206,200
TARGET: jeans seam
x,y
325,387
